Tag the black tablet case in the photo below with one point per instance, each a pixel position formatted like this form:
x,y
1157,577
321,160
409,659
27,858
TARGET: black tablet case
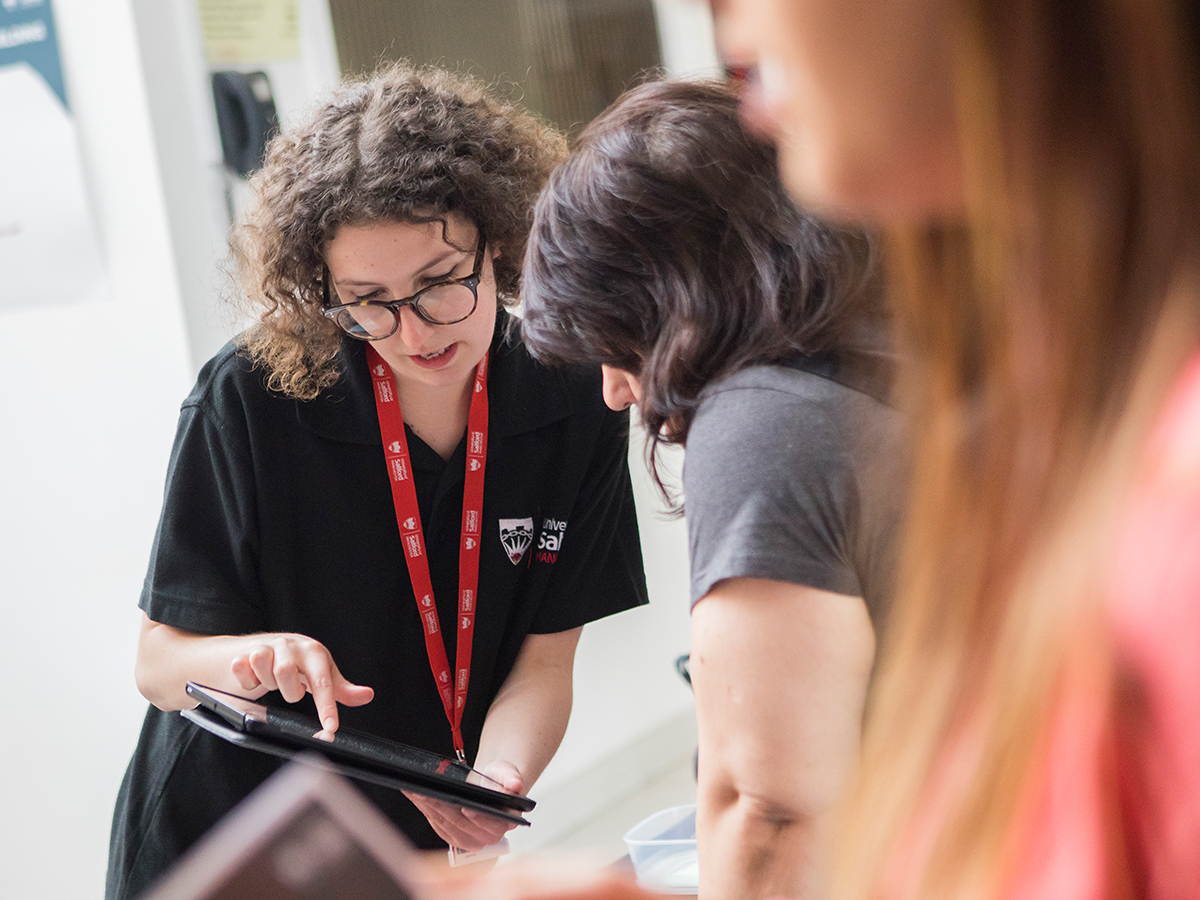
x,y
361,756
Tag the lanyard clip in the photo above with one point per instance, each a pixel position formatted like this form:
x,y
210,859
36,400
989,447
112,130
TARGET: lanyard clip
x,y
462,757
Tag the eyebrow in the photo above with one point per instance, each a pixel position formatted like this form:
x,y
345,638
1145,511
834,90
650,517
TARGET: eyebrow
x,y
417,275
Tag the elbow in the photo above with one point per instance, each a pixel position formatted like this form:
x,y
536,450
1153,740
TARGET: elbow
x,y
772,816
763,812
766,839
147,674
142,677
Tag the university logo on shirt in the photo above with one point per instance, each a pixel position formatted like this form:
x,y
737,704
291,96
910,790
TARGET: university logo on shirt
x,y
550,540
516,535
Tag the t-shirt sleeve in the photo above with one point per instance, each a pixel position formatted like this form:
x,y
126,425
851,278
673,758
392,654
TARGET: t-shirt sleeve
x,y
202,575
599,570
770,491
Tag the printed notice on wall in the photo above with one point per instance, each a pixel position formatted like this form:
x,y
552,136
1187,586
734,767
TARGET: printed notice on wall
x,y
250,31
48,247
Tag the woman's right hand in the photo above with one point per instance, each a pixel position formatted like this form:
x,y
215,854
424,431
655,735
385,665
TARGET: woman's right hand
x,y
250,664
293,665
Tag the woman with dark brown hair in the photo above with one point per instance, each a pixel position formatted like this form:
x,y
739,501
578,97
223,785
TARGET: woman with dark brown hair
x,y
375,466
666,250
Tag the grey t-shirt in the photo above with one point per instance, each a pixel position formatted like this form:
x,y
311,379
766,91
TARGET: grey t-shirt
x,y
795,477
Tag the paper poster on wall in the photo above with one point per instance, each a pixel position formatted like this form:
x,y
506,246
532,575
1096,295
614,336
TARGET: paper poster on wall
x,y
250,31
49,252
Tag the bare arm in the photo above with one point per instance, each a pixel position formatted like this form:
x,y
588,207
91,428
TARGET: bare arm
x,y
529,716
780,673
523,729
251,665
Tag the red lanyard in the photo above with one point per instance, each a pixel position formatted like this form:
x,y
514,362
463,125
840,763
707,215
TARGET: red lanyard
x,y
408,517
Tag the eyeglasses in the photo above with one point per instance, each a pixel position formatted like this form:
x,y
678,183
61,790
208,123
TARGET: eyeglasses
x,y
444,303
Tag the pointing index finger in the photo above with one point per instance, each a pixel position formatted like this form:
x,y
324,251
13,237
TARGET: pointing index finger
x,y
320,685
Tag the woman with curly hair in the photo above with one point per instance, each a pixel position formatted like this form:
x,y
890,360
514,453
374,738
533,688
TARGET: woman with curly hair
x,y
375,465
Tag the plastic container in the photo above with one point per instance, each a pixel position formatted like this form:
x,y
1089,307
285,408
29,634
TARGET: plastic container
x,y
663,851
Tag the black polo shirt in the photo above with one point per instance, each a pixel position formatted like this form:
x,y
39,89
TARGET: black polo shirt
x,y
278,516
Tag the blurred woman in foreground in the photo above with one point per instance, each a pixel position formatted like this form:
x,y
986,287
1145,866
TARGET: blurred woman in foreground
x,y
1036,728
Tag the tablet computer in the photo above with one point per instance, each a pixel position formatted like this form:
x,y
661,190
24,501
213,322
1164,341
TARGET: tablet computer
x,y
284,733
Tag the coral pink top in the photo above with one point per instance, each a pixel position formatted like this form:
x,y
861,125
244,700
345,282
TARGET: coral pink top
x,y
1152,818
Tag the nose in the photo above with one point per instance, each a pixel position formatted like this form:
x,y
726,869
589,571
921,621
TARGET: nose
x,y
617,388
413,330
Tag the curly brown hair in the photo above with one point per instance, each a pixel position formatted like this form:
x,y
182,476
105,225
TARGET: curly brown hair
x,y
404,144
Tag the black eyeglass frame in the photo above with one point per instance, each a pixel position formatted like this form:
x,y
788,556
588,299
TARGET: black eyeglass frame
x,y
469,281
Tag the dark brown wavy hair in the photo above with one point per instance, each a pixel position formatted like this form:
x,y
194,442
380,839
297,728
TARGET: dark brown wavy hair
x,y
404,144
666,246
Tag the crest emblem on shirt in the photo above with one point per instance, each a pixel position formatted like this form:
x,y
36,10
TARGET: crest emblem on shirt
x,y
516,535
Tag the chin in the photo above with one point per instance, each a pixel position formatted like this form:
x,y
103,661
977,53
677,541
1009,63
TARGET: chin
x,y
923,193
820,189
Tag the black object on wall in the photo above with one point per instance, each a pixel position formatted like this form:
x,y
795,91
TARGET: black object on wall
x,y
246,117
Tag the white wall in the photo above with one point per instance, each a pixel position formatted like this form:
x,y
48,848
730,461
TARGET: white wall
x,y
91,393
90,413
685,33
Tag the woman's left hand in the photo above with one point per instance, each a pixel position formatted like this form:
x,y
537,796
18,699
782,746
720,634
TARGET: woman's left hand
x,y
468,829
522,730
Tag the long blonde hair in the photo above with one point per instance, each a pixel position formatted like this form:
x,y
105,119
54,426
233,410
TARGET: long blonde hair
x,y
1045,331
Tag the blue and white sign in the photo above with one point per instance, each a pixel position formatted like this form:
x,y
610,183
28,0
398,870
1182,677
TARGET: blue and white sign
x,y
48,247
27,36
